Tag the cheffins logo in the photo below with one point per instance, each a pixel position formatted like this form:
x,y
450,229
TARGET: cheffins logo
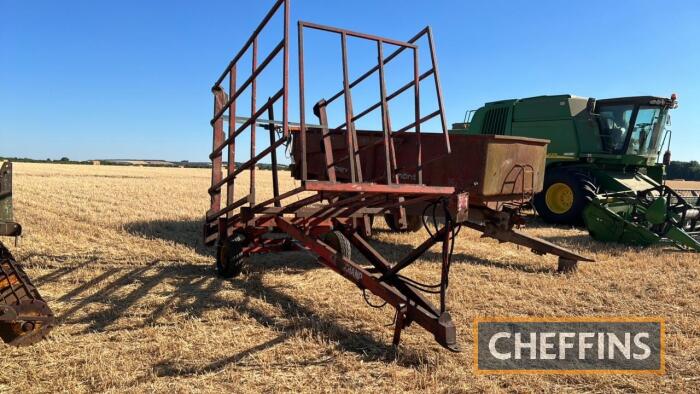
x,y
569,345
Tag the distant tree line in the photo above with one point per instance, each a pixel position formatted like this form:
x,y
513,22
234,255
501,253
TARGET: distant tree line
x,y
161,163
688,170
62,160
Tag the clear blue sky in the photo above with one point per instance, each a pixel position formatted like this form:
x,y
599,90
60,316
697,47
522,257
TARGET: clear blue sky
x,y
131,79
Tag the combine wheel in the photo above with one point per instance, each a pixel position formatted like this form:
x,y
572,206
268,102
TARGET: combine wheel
x,y
564,196
230,258
338,241
414,223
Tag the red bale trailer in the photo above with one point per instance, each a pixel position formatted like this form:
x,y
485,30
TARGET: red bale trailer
x,y
497,175
331,208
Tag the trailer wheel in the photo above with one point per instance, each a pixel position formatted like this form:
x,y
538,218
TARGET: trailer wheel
x,y
414,223
564,196
338,241
230,258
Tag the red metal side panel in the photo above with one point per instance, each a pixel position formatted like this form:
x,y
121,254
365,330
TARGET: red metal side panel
x,y
487,167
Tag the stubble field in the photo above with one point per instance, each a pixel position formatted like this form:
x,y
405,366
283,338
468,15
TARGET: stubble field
x,y
117,253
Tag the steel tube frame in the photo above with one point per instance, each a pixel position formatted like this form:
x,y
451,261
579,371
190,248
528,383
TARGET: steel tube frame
x,y
383,103
251,80
273,154
351,136
256,32
409,305
350,118
232,145
224,104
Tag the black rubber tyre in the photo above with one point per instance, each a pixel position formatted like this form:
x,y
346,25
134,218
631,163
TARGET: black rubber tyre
x,y
580,190
337,240
229,257
414,223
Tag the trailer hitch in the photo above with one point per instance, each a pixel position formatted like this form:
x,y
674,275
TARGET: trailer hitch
x,y
400,292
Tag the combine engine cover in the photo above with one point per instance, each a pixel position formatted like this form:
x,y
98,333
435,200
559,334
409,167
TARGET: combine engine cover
x,y
25,318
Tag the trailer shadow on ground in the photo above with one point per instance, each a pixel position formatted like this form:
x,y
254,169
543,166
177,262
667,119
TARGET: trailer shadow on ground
x,y
199,291
117,297
296,318
189,233
184,232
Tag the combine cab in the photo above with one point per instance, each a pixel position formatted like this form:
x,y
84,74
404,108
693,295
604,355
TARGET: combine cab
x,y
602,164
25,318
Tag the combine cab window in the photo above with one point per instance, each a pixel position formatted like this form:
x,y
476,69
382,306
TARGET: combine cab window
x,y
614,123
646,131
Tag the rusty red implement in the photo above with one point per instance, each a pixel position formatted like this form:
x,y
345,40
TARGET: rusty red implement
x,y
25,318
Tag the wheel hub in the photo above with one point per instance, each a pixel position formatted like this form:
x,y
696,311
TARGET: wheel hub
x,y
559,198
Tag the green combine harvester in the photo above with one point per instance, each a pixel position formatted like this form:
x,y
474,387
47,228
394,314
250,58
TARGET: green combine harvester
x,y
602,164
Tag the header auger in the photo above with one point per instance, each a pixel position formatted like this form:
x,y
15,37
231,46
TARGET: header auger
x,y
646,217
25,318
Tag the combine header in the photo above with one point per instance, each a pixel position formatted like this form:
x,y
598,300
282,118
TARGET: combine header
x,y
25,318
348,176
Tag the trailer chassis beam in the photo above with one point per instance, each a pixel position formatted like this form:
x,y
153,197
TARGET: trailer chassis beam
x,y
410,306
